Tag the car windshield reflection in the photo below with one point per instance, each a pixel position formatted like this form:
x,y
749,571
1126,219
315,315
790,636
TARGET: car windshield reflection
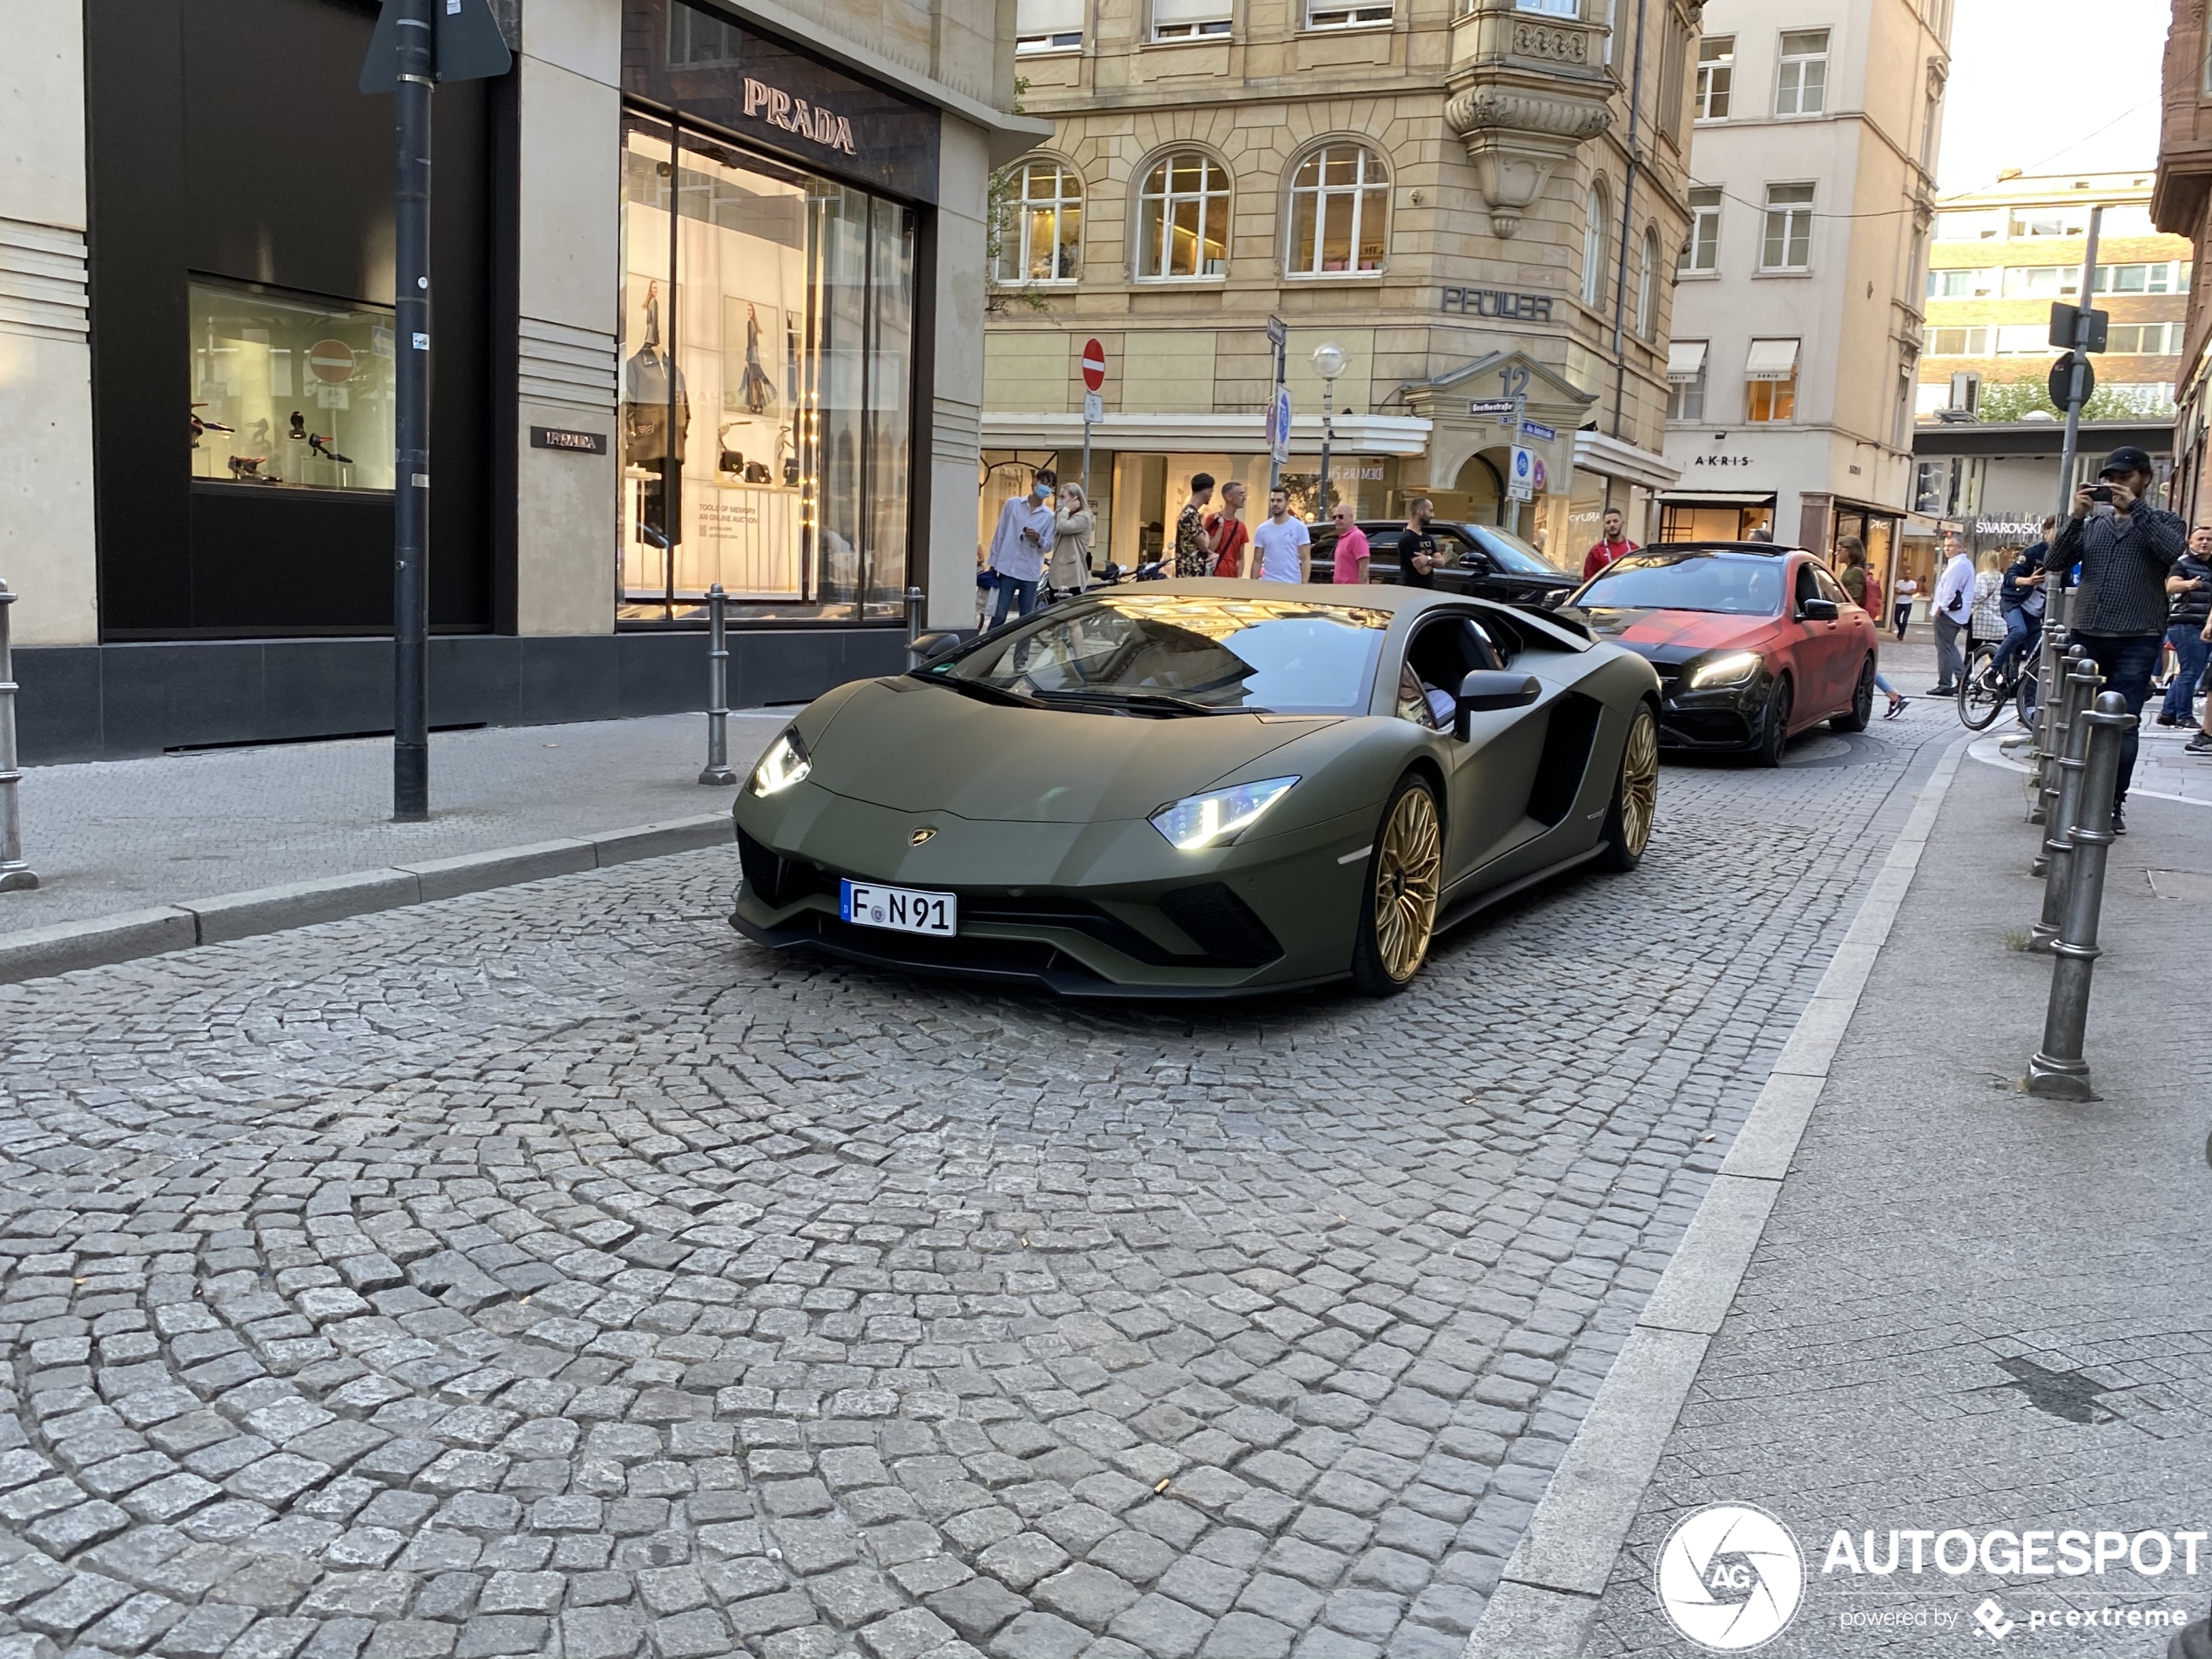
x,y
1170,654
1738,584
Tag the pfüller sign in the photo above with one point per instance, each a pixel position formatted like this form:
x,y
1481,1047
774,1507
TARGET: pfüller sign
x,y
1094,404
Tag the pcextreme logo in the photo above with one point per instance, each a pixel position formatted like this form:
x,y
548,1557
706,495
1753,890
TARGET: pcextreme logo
x,y
1730,1578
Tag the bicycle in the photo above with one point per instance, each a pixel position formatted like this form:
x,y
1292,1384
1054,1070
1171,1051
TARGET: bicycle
x,y
1983,696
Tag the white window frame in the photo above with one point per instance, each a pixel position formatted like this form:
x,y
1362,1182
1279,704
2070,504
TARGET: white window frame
x,y
1015,242
1359,190
1330,14
1716,78
1181,29
1162,168
1686,395
1790,213
1596,215
1705,234
1792,71
1968,345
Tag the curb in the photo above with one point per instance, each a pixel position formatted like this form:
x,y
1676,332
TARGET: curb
x,y
39,953
1547,1599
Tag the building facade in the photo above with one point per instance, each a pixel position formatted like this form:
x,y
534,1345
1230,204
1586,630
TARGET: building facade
x,y
1473,202
1797,312
705,280
2001,257
1999,480
2181,206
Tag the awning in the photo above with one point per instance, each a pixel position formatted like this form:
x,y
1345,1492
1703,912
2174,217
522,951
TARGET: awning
x,y
1685,359
1772,360
1048,18
1171,12
1717,497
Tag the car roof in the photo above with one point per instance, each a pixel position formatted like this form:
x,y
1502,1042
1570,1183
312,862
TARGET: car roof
x,y
1371,595
1759,550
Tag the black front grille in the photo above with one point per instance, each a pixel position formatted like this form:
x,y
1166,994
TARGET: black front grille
x,y
1221,924
776,880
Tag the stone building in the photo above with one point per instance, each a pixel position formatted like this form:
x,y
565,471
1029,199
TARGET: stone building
x,y
706,286
1470,200
2182,205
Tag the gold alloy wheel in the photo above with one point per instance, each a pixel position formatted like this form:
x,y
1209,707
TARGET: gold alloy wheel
x,y
1639,783
1409,871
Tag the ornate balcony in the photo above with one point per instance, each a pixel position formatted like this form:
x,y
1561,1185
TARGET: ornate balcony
x,y
1526,90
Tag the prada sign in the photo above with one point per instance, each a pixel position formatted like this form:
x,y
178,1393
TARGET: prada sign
x,y
1496,302
779,109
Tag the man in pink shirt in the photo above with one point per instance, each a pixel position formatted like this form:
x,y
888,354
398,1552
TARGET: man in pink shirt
x,y
1614,545
1352,546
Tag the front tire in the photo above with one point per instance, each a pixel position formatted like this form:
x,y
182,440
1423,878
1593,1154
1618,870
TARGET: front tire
x,y
1979,702
1635,796
1774,727
1405,879
1861,712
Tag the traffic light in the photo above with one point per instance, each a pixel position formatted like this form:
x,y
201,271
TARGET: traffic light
x,y
2078,327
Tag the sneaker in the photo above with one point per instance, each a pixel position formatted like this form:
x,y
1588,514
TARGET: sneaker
x,y
1897,707
2199,744
2170,719
1943,691
2120,818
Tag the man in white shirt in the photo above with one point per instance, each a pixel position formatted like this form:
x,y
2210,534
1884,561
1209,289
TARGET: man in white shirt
x,y
1018,545
1282,543
1953,604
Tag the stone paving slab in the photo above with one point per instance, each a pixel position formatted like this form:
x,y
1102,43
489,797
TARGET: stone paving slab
x,y
1972,1310
547,1266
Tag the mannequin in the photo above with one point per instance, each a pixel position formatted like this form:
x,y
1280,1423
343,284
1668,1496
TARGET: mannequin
x,y
648,443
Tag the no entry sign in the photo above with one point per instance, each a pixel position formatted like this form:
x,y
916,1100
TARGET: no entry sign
x,y
1094,365
331,360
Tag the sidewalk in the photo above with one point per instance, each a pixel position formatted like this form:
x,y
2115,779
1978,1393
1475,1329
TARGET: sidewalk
x,y
124,835
2162,770
1969,1309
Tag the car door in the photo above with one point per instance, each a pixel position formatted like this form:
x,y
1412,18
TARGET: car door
x,y
1853,635
1494,769
1817,648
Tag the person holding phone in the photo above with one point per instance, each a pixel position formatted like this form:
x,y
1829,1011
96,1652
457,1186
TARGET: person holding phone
x,y
2127,549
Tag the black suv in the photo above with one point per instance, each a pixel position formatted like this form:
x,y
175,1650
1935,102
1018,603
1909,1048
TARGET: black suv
x,y
1477,559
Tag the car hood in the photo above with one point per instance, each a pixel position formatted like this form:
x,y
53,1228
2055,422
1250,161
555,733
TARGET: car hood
x,y
1676,636
919,748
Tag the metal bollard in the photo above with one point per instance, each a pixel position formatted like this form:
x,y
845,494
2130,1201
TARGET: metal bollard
x,y
2058,713
2048,743
914,599
716,770
15,876
2076,692
2057,1071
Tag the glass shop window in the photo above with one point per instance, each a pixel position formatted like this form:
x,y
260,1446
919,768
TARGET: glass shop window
x,y
289,391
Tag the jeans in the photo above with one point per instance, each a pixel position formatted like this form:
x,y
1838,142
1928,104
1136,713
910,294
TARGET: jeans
x,y
1020,597
2190,650
1950,661
2022,631
2126,661
1904,616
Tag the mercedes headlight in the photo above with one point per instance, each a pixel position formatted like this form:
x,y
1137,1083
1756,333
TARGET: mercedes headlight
x,y
1219,816
785,764
1734,669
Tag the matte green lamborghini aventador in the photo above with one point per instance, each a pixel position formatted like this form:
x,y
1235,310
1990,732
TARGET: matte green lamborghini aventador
x,y
1200,787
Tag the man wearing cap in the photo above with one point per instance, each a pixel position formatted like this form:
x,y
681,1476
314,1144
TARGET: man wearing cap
x,y
2126,548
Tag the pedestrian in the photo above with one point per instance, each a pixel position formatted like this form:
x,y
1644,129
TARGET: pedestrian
x,y
1953,604
1985,626
1071,528
1229,531
1417,556
1281,545
1351,552
2020,606
1898,699
1612,544
1907,592
1193,547
2127,549
1763,536
1853,574
2189,592
1019,544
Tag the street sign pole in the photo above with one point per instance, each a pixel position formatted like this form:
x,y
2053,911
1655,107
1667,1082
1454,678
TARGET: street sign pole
x,y
1279,337
2055,600
411,420
1094,404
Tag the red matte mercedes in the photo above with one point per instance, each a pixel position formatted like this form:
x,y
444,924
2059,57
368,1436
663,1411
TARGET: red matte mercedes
x,y
1752,643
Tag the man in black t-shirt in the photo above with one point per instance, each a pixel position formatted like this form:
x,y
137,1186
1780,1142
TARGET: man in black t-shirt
x,y
1417,554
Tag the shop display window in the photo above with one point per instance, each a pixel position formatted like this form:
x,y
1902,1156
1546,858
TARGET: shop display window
x,y
766,385
289,391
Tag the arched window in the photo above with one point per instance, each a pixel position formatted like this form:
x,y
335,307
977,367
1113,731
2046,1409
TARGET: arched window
x,y
1593,221
1339,208
1182,219
1041,236
1647,288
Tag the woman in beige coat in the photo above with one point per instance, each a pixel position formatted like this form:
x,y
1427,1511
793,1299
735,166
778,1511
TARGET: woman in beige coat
x,y
1070,570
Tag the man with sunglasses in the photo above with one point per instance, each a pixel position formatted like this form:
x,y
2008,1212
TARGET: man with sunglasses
x,y
2127,548
1351,549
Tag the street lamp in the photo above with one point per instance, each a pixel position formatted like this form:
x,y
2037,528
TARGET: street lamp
x,y
1328,363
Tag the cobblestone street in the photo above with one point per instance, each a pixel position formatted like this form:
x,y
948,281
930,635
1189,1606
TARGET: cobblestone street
x,y
547,1271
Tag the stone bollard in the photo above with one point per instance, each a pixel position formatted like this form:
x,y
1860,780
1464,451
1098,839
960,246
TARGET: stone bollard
x,y
716,770
2057,1071
2054,858
15,876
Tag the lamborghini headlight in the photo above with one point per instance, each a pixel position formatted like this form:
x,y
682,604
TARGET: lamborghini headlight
x,y
1734,669
785,764
1219,816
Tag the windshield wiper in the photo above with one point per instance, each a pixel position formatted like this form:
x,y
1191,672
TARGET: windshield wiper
x,y
1165,703
983,691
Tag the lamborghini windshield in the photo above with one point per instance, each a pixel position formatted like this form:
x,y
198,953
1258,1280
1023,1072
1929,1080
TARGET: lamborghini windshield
x,y
1170,654
1739,584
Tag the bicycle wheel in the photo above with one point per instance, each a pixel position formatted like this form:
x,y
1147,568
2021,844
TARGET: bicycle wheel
x,y
2027,693
1982,696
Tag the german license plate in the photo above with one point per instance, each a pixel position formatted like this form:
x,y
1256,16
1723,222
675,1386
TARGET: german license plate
x,y
906,910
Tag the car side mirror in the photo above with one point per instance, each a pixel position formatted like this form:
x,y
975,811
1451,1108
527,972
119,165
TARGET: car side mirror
x,y
1817,611
1486,690
927,647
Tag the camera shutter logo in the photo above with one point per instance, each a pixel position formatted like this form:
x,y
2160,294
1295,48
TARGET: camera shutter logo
x,y
1731,1577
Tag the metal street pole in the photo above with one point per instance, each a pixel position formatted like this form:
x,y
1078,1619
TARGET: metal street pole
x,y
1278,336
15,876
411,420
1328,433
2055,603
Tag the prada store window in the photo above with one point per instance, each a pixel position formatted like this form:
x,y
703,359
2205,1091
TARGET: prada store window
x,y
767,319
289,391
